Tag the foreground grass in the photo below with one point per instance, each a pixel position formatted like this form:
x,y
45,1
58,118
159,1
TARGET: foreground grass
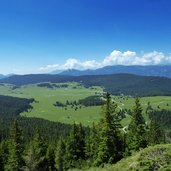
x,y
152,158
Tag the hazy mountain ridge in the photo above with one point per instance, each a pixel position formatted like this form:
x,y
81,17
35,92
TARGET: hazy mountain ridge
x,y
1,76
150,70
5,76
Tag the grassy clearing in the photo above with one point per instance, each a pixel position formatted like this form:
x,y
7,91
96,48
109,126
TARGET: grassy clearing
x,y
46,97
157,102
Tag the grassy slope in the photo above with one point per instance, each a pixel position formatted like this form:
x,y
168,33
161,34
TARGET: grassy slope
x,y
47,97
146,159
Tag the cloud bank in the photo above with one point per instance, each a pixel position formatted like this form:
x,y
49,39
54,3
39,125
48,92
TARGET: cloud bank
x,y
114,58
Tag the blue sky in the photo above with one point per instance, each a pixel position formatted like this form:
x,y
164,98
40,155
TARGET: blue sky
x,y
41,36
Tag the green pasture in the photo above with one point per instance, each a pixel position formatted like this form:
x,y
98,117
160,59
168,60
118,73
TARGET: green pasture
x,y
46,97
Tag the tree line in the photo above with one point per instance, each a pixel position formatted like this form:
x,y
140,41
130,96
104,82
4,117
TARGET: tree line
x,y
88,101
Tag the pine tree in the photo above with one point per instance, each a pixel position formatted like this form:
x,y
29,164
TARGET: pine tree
x,y
50,158
60,160
92,141
76,146
15,159
156,134
72,147
110,143
35,157
136,136
81,142
3,154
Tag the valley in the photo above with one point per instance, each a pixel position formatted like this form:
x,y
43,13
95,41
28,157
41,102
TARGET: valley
x,y
85,85
46,95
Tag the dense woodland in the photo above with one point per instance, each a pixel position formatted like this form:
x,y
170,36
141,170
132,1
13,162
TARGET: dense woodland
x,y
10,109
115,84
39,145
48,85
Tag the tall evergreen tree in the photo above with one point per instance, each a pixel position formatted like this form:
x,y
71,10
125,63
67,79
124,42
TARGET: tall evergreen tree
x,y
60,156
50,158
76,146
92,141
3,154
35,157
81,142
72,147
156,134
15,159
136,136
110,143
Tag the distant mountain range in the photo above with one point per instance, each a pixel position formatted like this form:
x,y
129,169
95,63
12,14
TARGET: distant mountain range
x,y
5,76
1,76
150,70
115,84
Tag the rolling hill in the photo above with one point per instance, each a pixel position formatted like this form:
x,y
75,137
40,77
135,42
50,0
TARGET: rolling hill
x,y
116,84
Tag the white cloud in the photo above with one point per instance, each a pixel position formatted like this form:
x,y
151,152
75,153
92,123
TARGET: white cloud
x,y
119,58
168,59
114,58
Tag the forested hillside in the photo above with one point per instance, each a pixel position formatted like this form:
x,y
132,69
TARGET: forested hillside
x,y
38,145
13,106
115,84
10,109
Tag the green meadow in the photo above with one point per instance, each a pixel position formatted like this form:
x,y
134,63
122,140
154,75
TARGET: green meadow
x,y
43,107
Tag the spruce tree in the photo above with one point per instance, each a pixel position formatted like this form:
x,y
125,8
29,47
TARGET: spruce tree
x,y
92,141
60,159
81,142
76,146
136,136
3,154
35,157
156,134
15,159
50,158
72,147
110,143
